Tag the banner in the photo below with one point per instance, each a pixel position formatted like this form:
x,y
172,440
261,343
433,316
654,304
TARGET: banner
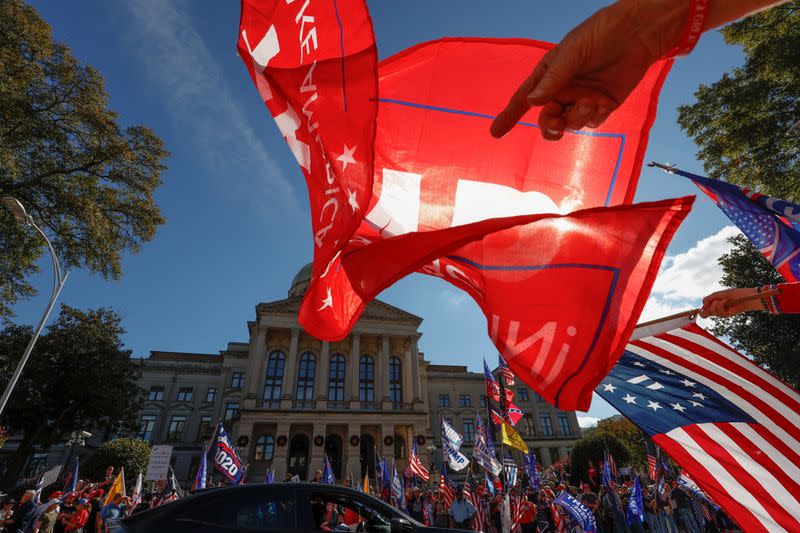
x,y
635,509
225,458
481,452
451,444
158,466
512,438
582,514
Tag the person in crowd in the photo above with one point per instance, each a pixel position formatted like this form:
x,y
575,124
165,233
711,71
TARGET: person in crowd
x,y
331,519
145,504
6,511
528,510
651,511
592,473
46,521
594,68
108,477
22,514
461,512
415,506
442,517
78,519
664,506
113,509
683,505
317,477
68,508
95,506
612,503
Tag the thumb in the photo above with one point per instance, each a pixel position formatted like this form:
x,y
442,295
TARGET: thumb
x,y
558,75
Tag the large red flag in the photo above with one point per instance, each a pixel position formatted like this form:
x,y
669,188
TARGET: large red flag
x,y
560,292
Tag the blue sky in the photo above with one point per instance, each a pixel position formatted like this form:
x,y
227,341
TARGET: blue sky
x,y
237,215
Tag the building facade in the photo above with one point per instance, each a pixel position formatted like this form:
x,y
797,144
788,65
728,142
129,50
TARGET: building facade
x,y
288,399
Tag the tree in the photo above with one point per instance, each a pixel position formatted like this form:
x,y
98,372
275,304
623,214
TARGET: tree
x,y
65,157
740,122
773,341
592,448
628,434
131,454
78,377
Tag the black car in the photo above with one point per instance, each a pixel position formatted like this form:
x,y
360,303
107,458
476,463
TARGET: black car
x,y
279,507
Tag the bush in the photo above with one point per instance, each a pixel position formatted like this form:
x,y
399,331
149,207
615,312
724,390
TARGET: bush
x,y
131,454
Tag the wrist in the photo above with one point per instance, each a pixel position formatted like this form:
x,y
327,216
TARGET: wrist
x,y
658,24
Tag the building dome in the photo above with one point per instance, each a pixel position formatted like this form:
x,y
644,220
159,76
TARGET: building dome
x,y
301,281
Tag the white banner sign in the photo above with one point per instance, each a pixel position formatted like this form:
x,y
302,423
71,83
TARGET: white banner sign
x,y
158,467
51,475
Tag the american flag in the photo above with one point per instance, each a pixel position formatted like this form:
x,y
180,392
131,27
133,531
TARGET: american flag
x,y
505,371
558,518
446,490
510,468
731,425
652,470
493,387
416,466
772,224
471,495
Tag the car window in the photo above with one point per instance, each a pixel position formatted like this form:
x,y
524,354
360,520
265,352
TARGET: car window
x,y
233,511
334,512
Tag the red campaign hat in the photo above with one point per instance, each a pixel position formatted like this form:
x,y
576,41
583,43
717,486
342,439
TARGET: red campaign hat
x,y
56,495
98,493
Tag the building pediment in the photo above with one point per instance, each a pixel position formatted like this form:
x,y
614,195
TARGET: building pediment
x,y
375,310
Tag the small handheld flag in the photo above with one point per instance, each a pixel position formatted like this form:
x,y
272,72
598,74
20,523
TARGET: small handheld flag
x,y
225,458
327,472
202,471
512,438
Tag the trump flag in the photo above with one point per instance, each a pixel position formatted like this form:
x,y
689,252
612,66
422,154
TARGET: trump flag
x,y
435,193
731,425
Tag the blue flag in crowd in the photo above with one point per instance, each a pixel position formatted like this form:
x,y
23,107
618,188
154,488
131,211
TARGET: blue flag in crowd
x,y
202,471
327,473
489,482
773,225
225,458
510,468
582,514
397,490
72,477
607,477
635,504
451,444
386,475
534,480
269,477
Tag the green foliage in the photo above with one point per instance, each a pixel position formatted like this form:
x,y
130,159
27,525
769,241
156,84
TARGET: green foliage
x,y
591,448
131,454
773,341
78,377
631,437
740,122
87,181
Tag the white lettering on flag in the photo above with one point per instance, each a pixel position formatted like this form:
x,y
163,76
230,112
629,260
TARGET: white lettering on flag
x,y
477,200
397,210
264,51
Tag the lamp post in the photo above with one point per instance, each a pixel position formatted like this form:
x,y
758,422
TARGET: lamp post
x,y
22,217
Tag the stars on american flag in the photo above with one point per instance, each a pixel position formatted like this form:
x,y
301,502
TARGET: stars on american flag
x,y
608,387
677,406
630,399
655,406
687,383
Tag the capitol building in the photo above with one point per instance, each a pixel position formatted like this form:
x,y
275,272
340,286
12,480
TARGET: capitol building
x,y
288,399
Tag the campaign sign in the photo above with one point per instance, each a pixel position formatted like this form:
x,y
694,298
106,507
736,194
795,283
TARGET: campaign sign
x,y
158,467
579,512
225,458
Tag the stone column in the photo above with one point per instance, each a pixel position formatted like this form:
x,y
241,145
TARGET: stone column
x,y
290,372
387,450
351,371
246,452
415,377
280,460
321,376
255,361
317,453
351,455
545,458
382,375
408,393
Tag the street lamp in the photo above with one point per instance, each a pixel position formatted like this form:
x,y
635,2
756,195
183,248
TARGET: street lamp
x,y
22,217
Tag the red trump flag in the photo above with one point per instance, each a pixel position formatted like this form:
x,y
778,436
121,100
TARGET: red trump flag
x,y
561,285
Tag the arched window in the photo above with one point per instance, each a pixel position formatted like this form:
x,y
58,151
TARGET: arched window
x,y
395,380
305,377
366,379
265,447
274,378
336,378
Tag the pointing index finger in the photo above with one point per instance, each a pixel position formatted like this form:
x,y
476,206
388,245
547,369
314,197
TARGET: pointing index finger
x,y
518,104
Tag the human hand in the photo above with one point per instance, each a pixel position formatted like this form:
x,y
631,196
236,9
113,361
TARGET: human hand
x,y
723,304
595,67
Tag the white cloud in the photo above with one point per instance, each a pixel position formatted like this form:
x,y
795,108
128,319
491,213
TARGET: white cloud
x,y
454,297
687,277
587,421
200,102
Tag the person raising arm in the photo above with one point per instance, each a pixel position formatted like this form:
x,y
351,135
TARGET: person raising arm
x,y
731,302
594,68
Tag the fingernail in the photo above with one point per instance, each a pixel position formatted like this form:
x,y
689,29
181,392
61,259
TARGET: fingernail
x,y
584,110
552,132
534,94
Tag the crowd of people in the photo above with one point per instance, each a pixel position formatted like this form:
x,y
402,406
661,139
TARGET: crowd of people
x,y
86,509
